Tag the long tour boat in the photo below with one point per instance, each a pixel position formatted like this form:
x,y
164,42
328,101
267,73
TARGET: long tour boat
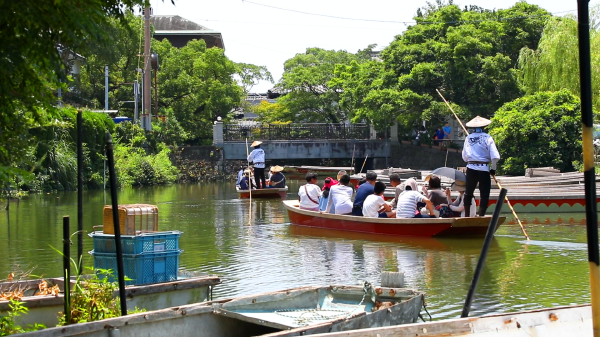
x,y
427,227
263,193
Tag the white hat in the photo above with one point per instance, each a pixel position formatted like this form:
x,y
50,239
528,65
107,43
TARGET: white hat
x,y
256,143
276,168
478,122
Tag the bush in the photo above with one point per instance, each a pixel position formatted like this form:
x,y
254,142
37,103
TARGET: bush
x,y
134,167
538,130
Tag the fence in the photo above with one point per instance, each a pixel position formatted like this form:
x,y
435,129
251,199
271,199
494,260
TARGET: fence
x,y
316,131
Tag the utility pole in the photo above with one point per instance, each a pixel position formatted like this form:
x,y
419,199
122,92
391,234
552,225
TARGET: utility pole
x,y
147,72
106,88
136,95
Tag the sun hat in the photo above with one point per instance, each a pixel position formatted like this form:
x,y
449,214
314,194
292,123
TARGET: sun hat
x,y
256,143
459,186
276,168
478,122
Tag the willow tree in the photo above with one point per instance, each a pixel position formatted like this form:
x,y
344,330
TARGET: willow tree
x,y
554,65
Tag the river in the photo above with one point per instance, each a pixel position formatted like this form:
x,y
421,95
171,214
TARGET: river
x,y
268,253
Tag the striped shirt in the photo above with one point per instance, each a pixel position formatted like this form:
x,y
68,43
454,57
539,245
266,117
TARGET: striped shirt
x,y
407,204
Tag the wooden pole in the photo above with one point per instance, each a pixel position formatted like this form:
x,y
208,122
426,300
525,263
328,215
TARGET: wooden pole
x,y
363,165
352,162
493,176
249,184
589,173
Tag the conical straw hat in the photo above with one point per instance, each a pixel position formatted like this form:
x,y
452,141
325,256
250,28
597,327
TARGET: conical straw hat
x,y
276,168
256,143
478,122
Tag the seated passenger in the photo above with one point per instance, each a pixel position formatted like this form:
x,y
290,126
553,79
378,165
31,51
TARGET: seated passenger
x,y
398,189
459,204
435,192
325,196
276,178
340,197
239,177
375,206
245,180
309,194
408,202
362,193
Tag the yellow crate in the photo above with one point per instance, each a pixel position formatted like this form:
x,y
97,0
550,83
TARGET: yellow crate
x,y
133,219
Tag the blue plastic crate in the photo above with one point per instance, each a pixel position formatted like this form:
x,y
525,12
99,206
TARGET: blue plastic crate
x,y
137,244
141,268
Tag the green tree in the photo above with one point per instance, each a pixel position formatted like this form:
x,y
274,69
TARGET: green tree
x,y
305,84
198,84
543,129
554,65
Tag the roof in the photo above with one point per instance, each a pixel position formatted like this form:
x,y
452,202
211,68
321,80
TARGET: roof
x,y
179,31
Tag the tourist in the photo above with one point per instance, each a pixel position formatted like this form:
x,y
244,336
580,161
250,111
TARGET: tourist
x,y
363,192
245,180
257,157
276,177
340,174
439,135
398,189
481,155
459,204
309,194
435,192
447,131
239,176
325,196
408,205
340,197
375,206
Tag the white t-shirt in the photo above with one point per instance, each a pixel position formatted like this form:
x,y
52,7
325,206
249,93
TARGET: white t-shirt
x,y
407,204
313,191
341,197
480,147
371,206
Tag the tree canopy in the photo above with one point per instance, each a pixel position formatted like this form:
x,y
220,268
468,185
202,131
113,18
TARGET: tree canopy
x,y
539,130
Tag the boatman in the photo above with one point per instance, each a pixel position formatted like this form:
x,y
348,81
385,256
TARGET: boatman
x,y
481,155
257,157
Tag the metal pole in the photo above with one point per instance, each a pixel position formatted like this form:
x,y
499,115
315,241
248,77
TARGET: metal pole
x,y
147,71
249,184
106,88
67,267
79,191
115,209
136,92
484,251
155,94
588,159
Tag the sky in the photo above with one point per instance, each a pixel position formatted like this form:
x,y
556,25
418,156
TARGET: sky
x,y
255,32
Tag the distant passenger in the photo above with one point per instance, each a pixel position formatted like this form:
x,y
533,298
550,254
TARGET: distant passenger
x,y
340,174
398,189
239,176
276,179
309,194
340,197
245,180
408,202
363,192
375,206
435,192
459,204
325,195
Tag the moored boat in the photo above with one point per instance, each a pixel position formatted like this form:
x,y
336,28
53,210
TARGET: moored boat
x,y
322,171
263,193
427,227
291,312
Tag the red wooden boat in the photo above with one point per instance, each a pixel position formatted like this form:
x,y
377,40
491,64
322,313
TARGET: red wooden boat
x,y
438,227
263,193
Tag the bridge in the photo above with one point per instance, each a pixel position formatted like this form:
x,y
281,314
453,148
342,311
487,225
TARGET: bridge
x,y
303,141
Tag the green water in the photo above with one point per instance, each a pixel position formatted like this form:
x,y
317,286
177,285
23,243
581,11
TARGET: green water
x,y
268,253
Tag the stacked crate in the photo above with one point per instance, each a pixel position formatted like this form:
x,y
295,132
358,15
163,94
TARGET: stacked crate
x,y
149,256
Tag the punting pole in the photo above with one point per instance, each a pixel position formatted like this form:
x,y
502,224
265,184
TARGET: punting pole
x,y
352,162
67,267
249,184
363,165
116,225
484,251
493,176
79,191
588,158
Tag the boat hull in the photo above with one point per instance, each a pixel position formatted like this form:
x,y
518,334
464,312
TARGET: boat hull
x,y
441,227
322,171
265,193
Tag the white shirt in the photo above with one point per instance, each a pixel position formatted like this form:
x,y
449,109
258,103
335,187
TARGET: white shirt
x,y
257,156
407,204
313,191
480,147
371,206
341,197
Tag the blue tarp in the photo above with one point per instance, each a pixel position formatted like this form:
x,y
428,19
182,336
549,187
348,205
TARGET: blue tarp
x,y
121,119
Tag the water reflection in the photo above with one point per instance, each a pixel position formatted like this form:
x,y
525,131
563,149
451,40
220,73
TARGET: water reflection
x,y
255,249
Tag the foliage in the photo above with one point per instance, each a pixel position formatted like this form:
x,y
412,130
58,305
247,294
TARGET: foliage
x,y
538,130
8,323
554,65
197,84
468,54
250,75
273,112
305,82
134,167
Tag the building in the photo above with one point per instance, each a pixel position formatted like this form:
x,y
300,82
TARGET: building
x,y
180,31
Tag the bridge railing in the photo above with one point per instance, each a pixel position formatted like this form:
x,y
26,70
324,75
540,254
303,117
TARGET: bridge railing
x,y
313,131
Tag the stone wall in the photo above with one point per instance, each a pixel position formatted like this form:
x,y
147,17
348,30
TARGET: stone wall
x,y
420,157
